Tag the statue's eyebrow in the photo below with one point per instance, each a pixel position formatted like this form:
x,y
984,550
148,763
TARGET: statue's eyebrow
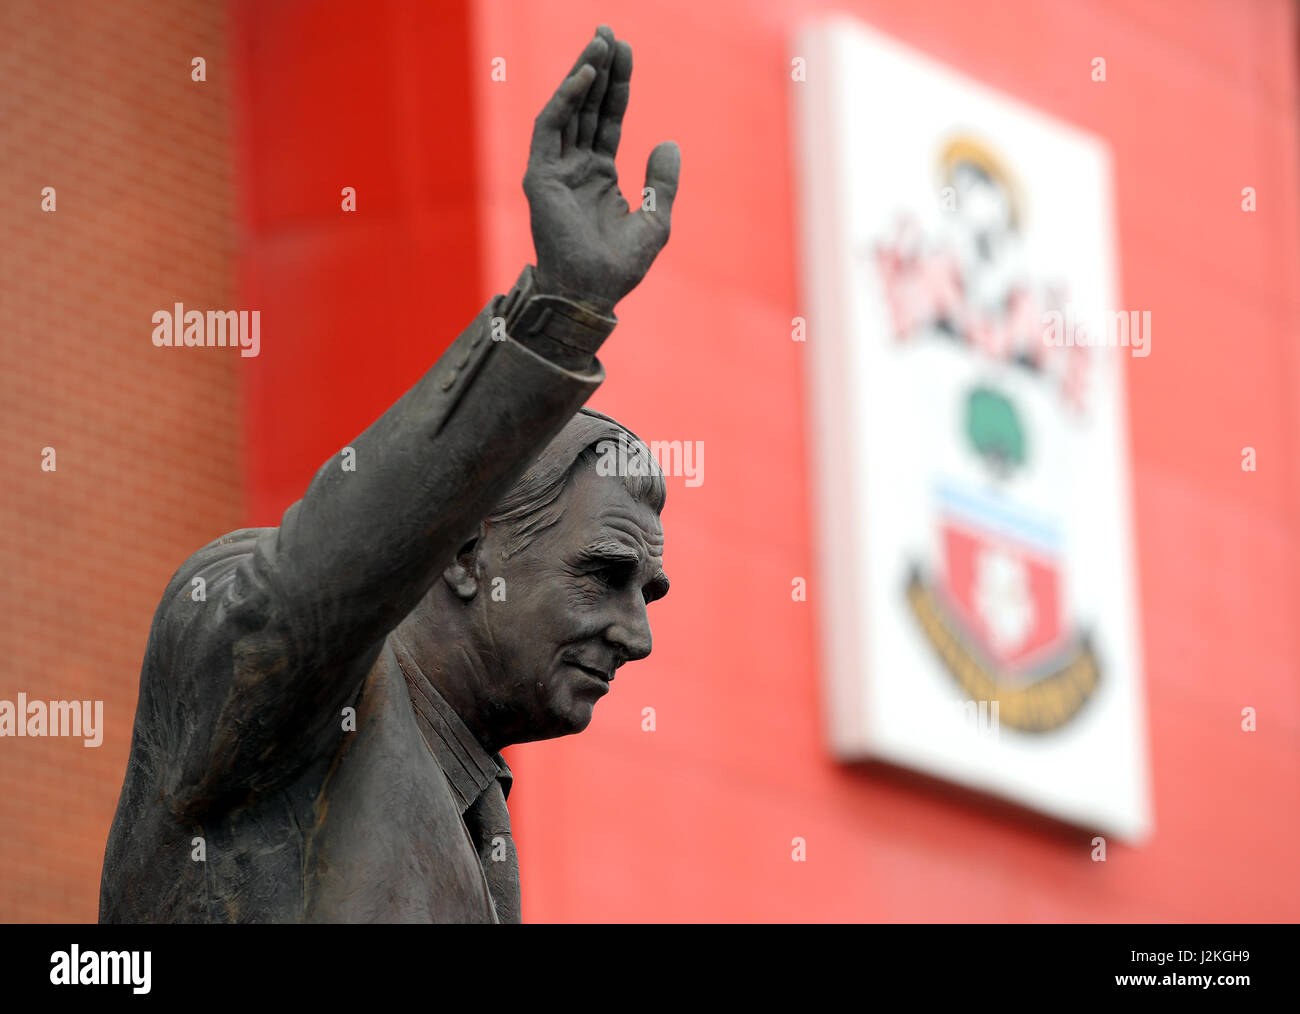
x,y
610,551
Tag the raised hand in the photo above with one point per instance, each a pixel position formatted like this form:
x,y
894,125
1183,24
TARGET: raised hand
x,y
588,246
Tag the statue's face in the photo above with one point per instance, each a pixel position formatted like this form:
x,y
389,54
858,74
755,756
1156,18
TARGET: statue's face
x,y
574,606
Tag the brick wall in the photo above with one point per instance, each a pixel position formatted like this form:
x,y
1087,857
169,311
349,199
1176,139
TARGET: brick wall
x,y
97,101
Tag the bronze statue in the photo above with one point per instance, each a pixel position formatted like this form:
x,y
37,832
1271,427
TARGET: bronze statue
x,y
322,704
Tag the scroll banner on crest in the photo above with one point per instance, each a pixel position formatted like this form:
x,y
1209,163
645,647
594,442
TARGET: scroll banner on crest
x,y
965,357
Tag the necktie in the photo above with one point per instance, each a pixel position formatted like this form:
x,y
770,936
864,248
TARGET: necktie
x,y
488,821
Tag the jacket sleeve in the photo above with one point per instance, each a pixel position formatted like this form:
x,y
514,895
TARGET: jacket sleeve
x,y
258,674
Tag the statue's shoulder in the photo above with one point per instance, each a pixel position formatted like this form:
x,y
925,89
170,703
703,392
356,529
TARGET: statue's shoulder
x,y
229,547
193,578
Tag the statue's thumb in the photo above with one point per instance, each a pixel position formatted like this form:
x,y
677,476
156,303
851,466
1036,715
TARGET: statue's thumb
x,y
661,172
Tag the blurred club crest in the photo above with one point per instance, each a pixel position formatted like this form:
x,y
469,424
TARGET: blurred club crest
x,y
992,607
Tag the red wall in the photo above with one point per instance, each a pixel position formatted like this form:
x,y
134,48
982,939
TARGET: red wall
x,y
355,305
694,821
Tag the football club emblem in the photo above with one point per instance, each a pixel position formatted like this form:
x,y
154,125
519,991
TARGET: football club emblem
x,y
992,608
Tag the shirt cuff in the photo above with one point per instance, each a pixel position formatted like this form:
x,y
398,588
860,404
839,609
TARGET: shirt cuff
x,y
559,329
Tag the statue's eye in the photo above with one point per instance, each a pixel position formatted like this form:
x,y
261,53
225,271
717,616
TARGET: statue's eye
x,y
615,575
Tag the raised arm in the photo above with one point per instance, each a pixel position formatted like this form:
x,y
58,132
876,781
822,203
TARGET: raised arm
x,y
295,617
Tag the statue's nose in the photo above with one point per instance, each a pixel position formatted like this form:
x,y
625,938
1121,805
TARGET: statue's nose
x,y
631,635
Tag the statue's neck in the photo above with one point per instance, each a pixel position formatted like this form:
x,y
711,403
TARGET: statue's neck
x,y
452,677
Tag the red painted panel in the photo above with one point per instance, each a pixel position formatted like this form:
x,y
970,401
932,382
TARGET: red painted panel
x,y
355,305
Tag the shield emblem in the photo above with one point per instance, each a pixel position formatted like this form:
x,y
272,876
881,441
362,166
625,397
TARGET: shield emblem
x,y
1003,589
994,611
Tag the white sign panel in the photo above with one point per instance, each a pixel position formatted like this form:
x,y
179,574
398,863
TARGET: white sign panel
x,y
978,601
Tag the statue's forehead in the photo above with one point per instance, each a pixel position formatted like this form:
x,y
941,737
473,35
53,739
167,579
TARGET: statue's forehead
x,y
608,510
638,527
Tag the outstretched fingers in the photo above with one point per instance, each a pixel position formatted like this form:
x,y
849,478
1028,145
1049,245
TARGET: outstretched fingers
x,y
559,116
589,118
610,125
596,54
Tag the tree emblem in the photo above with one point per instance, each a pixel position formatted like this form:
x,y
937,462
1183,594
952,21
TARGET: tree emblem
x,y
994,430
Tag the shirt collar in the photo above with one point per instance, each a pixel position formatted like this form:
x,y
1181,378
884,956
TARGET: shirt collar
x,y
469,768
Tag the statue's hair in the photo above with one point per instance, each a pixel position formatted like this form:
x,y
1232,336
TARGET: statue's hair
x,y
531,506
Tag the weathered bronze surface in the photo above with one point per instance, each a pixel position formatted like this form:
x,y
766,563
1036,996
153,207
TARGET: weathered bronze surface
x,y
322,704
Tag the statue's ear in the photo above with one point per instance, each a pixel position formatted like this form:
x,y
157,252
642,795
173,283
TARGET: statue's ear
x,y
462,574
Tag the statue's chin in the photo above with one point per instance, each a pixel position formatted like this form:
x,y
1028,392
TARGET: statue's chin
x,y
569,716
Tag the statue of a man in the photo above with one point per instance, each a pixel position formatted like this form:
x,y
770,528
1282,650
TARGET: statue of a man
x,y
323,704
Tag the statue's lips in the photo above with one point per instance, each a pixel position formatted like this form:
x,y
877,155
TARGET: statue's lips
x,y
604,677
